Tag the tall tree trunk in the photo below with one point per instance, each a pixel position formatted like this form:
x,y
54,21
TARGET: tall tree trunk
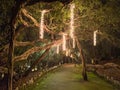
x,y
84,74
37,61
10,60
13,22
16,9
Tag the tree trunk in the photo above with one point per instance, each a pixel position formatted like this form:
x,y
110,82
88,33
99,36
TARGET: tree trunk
x,y
37,61
84,74
13,22
16,9
10,61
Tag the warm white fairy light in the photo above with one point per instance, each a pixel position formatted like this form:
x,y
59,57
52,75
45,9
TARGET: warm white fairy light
x,y
42,25
94,38
72,23
64,42
71,56
58,48
67,52
74,43
72,6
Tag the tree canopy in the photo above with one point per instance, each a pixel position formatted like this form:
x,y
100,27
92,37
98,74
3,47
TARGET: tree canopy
x,y
101,15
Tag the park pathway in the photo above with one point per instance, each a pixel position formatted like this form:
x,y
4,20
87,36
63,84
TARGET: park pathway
x,y
68,77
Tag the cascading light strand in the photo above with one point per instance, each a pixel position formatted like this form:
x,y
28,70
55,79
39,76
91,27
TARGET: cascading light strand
x,y
95,38
72,6
41,32
67,53
74,43
58,49
64,42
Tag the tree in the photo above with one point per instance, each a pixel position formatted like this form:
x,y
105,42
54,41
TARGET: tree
x,y
101,15
17,8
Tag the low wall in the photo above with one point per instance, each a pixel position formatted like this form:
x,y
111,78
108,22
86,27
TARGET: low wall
x,y
109,71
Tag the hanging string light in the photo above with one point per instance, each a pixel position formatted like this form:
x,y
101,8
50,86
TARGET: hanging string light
x,y
58,49
71,56
94,38
72,6
64,42
41,32
72,23
67,52
74,43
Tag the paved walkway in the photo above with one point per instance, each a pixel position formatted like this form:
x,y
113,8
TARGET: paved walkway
x,y
69,78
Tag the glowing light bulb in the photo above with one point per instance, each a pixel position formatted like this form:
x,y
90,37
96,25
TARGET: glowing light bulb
x,y
42,25
72,19
94,38
64,42
58,48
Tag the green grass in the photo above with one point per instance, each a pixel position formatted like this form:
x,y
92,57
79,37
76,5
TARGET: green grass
x,y
70,79
39,82
94,83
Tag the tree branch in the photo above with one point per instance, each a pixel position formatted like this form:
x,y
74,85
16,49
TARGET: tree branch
x,y
29,43
25,13
37,61
31,2
23,21
36,49
3,70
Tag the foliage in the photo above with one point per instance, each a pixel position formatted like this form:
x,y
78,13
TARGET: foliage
x,y
5,16
102,15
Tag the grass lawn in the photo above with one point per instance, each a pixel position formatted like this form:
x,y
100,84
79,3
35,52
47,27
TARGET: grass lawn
x,y
69,77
